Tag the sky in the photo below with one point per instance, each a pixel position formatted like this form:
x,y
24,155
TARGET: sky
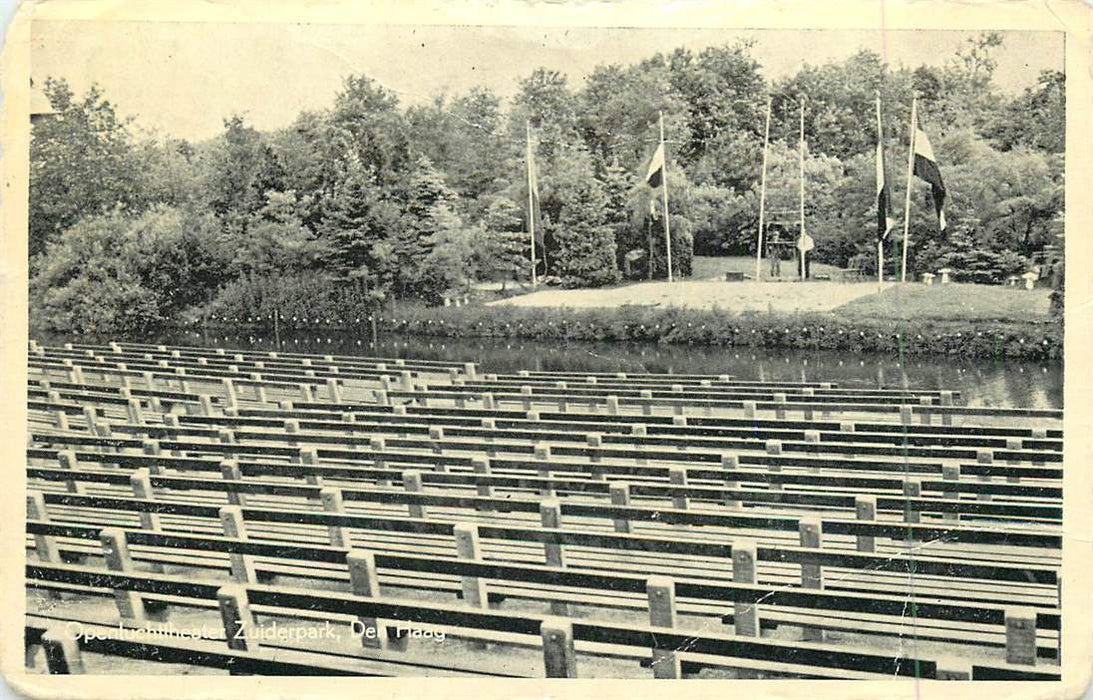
x,y
182,79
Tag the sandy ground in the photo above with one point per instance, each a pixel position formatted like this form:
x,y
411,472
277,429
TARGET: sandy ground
x,y
733,296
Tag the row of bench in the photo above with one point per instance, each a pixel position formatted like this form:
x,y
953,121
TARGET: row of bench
x,y
582,538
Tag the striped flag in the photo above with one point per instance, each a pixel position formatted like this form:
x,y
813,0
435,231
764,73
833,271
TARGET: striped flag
x,y
885,221
926,168
655,175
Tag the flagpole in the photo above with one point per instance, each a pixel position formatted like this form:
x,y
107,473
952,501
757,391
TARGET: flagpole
x,y
762,197
910,172
880,239
531,205
801,169
667,229
880,265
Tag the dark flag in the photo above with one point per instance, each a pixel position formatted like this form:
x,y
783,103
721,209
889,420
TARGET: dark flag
x,y
885,222
655,176
926,168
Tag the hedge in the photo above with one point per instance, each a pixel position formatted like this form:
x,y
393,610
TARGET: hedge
x,y
1015,339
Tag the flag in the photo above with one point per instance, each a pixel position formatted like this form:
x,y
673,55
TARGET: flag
x,y
533,199
885,222
655,176
926,168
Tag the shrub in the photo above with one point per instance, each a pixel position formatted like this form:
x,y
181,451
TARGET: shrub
x,y
119,274
299,300
675,325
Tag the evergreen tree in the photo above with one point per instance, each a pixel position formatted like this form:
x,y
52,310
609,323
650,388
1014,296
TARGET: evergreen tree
x,y
366,120
355,223
623,211
464,141
502,248
430,245
580,241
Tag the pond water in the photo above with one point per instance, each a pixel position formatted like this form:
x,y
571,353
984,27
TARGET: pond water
x,y
982,382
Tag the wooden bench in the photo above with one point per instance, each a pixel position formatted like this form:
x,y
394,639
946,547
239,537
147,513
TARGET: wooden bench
x,y
670,519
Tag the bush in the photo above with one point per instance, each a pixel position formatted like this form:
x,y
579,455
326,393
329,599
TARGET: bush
x,y
303,300
969,259
120,274
1014,339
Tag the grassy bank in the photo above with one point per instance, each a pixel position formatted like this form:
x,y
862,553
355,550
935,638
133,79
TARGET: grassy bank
x,y
954,302
982,337
956,319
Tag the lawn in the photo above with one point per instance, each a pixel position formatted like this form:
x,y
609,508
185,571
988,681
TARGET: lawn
x,y
706,289
758,297
951,301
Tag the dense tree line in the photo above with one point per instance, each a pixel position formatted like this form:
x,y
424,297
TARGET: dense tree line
x,y
367,201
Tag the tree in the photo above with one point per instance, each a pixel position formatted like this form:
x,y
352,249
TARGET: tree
x,y
545,102
430,248
1010,198
464,142
840,104
243,169
169,173
580,242
357,217
725,220
366,121
360,157
723,91
501,247
622,211
965,98
1036,118
115,273
276,243
448,265
82,163
309,166
679,224
619,110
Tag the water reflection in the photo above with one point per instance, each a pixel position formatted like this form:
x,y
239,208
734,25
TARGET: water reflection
x,y
982,382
